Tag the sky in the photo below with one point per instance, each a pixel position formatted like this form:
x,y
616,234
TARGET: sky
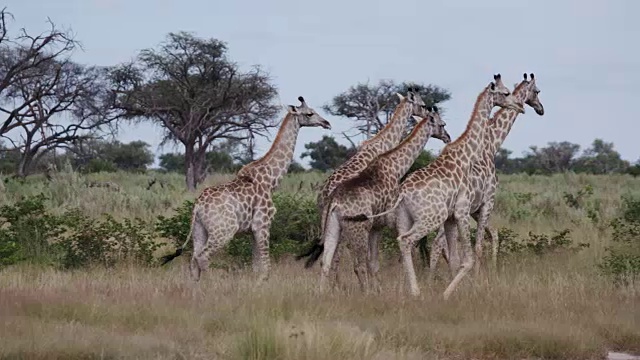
x,y
581,52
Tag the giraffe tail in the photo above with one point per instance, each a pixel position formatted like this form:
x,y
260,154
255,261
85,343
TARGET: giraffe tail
x,y
314,252
167,258
364,217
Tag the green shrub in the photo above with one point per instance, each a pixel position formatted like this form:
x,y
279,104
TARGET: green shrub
x,y
27,232
106,242
622,261
536,244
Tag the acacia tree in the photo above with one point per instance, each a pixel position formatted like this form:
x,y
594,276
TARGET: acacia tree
x,y
371,106
48,101
190,88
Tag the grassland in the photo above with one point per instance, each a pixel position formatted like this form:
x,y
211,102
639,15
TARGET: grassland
x,y
556,306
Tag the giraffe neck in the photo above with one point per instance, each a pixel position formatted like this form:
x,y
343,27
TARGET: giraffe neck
x,y
391,134
500,125
275,163
469,143
397,161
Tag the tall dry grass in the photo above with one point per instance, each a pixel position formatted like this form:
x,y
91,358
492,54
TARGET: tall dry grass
x,y
551,307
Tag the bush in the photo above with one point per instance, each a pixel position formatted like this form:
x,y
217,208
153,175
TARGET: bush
x,y
622,261
27,232
536,244
106,243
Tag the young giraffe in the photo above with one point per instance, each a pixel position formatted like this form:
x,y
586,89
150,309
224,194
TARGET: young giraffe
x,y
483,178
439,192
245,203
373,190
383,141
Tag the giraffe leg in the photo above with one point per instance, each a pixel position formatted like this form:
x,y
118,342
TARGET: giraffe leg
x,y
461,218
260,226
453,253
199,236
331,237
437,246
356,235
335,266
482,219
406,241
495,243
375,237
214,244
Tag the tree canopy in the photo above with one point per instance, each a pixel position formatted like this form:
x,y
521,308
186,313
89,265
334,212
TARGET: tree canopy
x,y
199,96
371,105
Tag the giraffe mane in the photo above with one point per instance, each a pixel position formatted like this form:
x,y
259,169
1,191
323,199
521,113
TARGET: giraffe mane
x,y
386,127
287,118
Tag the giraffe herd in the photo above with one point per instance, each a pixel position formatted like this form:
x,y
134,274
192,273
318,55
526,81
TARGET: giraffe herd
x,y
366,194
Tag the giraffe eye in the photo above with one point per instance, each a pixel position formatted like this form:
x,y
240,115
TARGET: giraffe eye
x,y
309,114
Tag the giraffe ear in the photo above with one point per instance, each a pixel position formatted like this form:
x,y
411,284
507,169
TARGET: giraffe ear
x,y
292,109
525,76
400,96
416,118
492,86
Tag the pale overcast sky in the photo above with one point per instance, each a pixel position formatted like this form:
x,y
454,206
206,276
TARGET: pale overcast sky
x,y
584,53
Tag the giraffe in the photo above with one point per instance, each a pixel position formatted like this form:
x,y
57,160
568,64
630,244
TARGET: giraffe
x,y
374,189
245,203
383,141
439,193
483,178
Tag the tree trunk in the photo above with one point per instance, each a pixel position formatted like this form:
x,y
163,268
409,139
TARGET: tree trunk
x,y
24,164
194,162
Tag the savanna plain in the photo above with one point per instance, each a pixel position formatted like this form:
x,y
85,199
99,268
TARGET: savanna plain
x,y
564,287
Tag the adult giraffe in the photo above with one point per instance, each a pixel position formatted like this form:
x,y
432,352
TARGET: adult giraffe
x,y
245,203
439,193
483,177
373,190
385,140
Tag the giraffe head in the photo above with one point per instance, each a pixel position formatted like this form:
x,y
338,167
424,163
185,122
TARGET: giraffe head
x,y
306,116
532,95
436,124
501,95
413,98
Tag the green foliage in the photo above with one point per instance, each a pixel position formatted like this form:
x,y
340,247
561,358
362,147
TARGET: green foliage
x,y
622,261
176,227
536,244
577,200
217,161
27,230
326,154
424,159
106,242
